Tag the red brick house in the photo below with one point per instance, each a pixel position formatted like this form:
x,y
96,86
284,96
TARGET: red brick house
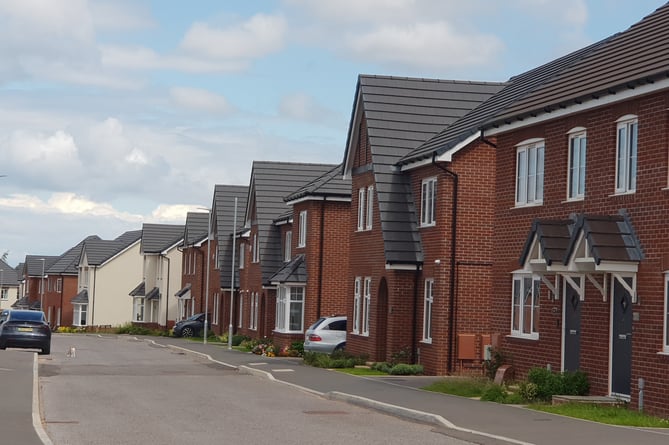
x,y
263,253
34,279
402,263
190,297
315,255
580,245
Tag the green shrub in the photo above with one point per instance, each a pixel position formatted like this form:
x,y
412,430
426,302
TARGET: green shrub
x,y
238,339
405,369
497,359
338,359
528,391
404,355
549,383
494,393
382,367
575,383
298,347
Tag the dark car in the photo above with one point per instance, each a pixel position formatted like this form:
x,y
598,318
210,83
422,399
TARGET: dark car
x,y
25,329
190,327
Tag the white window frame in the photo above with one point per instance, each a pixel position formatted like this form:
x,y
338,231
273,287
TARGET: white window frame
x,y
356,305
138,309
80,311
253,317
665,342
366,305
241,255
627,150
287,245
4,293
240,314
428,200
217,307
369,214
578,148
59,285
521,308
361,209
427,310
256,255
302,229
289,298
530,158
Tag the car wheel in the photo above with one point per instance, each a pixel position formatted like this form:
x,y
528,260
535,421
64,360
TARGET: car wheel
x,y
187,332
340,347
46,350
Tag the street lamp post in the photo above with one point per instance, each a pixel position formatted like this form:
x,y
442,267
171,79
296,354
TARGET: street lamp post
x,y
2,283
41,301
206,297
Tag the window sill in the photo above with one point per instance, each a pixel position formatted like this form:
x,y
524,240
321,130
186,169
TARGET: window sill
x,y
532,337
426,341
288,332
665,353
360,334
572,200
525,206
630,192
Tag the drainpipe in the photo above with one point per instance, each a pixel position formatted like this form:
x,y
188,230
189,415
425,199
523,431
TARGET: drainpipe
x,y
452,266
320,262
202,279
414,336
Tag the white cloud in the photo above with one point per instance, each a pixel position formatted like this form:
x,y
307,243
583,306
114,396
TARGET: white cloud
x,y
259,36
119,15
199,99
304,107
171,213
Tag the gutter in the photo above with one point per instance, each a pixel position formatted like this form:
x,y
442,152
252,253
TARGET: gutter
x,y
452,265
95,275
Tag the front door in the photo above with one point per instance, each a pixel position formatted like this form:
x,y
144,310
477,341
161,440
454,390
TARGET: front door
x,y
572,326
621,342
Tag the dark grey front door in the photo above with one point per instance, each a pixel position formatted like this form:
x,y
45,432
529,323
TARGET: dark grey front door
x,y
572,326
621,330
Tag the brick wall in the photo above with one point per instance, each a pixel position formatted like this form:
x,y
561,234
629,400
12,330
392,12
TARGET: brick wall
x,y
647,210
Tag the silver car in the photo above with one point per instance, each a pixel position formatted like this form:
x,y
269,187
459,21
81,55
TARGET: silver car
x,y
327,335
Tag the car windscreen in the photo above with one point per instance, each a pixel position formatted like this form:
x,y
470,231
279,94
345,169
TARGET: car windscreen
x,y
26,316
315,325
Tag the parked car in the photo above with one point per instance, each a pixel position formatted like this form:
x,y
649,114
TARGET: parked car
x,y
25,329
327,335
189,327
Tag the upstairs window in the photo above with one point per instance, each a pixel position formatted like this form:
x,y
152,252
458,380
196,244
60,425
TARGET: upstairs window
x,y
370,207
254,247
577,149
530,173
428,202
302,241
288,240
626,154
361,209
241,255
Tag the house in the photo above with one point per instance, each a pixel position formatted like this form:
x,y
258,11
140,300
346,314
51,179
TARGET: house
x,y
315,256
190,297
106,269
33,276
228,207
161,270
261,244
580,245
9,285
401,284
62,284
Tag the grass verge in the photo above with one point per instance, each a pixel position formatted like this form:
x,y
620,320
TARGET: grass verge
x,y
612,415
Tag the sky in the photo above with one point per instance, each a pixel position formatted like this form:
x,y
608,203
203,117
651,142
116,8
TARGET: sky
x,y
114,113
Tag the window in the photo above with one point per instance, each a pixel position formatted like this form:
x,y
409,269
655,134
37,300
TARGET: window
x,y
370,207
530,173
577,146
302,241
665,346
215,258
356,305
241,256
428,201
240,314
138,309
59,285
626,154
83,277
217,307
253,316
290,309
525,311
366,306
288,240
427,311
361,209
4,293
79,318
256,255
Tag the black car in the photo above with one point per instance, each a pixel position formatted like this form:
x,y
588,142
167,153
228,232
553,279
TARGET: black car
x,y
190,327
25,329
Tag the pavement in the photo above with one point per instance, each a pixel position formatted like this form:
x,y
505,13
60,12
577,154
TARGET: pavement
x,y
468,419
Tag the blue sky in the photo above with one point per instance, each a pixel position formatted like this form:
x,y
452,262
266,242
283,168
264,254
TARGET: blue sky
x,y
114,113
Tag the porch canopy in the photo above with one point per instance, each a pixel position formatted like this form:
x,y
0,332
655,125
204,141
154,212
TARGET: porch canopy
x,y
184,293
140,291
295,271
80,298
597,246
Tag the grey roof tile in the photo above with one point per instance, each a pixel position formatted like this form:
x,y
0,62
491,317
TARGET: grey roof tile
x,y
156,238
270,183
80,298
33,264
67,263
9,275
197,224
224,221
295,271
329,184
